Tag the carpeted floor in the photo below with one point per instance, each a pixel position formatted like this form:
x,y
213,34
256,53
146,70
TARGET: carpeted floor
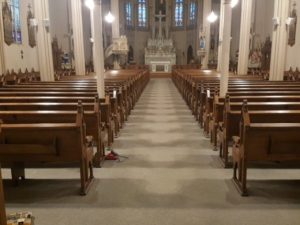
x,y
172,177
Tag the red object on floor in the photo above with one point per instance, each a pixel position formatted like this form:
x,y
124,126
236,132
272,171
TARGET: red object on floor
x,y
111,156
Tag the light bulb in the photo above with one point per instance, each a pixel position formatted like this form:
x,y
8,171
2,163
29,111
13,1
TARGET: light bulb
x,y
234,3
212,17
90,4
109,18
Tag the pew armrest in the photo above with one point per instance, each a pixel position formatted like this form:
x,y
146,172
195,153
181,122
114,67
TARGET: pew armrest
x,y
221,126
236,140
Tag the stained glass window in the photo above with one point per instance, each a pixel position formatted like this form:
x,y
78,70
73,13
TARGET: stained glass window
x,y
178,13
16,21
192,12
142,13
128,10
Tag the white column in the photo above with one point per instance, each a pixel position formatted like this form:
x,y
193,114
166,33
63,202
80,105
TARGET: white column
x,y
225,48
116,24
41,9
79,56
98,54
221,25
206,26
279,43
2,58
246,17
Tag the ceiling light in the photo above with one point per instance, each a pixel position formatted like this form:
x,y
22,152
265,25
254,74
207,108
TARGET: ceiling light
x,y
212,17
90,4
109,18
234,3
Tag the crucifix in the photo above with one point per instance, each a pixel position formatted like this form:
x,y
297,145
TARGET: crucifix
x,y
160,17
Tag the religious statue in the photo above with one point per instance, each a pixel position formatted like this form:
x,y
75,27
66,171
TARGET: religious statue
x,y
7,23
57,54
293,26
266,54
31,30
202,43
212,42
255,59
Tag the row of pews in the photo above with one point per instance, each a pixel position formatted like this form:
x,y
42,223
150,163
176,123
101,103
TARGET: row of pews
x,y
259,119
11,77
292,75
62,122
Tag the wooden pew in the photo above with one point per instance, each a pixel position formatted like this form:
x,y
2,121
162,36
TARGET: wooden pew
x,y
61,143
217,117
2,206
231,120
263,141
93,125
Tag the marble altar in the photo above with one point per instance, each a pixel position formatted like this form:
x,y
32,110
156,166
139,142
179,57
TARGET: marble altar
x,y
160,53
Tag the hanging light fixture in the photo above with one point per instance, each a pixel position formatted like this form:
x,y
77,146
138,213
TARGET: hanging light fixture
x,y
212,17
234,3
90,4
109,18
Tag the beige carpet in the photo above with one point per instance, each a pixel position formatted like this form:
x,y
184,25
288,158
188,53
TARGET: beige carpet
x,y
172,177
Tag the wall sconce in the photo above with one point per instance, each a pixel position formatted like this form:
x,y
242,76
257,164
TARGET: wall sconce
x,y
276,22
33,22
289,21
46,23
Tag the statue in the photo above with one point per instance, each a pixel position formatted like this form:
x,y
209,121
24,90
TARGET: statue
x,y
202,43
7,23
293,26
266,54
31,31
57,54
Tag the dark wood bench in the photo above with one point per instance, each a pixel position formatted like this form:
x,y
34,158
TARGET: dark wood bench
x,y
263,141
230,125
61,143
93,125
218,113
2,203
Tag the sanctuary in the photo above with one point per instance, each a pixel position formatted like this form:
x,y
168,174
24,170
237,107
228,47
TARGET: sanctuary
x,y
160,53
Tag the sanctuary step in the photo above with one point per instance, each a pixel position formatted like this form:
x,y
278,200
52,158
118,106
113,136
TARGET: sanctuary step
x,y
160,75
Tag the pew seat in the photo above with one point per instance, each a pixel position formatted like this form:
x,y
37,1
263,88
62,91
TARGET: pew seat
x,y
47,143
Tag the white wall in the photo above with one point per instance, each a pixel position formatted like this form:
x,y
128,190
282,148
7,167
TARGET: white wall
x,y
61,26
59,11
235,31
263,14
292,59
86,21
12,53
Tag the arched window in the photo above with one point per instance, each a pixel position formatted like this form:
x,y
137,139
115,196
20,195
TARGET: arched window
x,y
178,14
128,14
16,21
192,12
142,13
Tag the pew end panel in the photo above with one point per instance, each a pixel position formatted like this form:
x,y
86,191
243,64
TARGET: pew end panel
x,y
263,142
22,144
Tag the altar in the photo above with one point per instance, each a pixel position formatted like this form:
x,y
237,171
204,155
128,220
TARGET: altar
x,y
160,53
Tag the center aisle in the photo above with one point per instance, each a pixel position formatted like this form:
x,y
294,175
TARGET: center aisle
x,y
171,177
